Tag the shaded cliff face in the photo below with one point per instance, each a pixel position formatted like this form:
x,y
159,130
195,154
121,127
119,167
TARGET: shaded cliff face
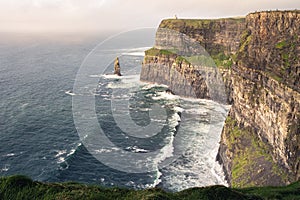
x,y
216,36
266,103
271,44
260,142
182,77
168,68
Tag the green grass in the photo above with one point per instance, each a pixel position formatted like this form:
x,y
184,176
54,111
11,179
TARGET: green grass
x,y
219,60
281,45
22,188
251,157
197,23
157,52
163,52
291,191
201,60
222,60
180,60
274,76
245,41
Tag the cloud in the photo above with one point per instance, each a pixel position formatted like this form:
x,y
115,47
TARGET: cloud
x,y
84,15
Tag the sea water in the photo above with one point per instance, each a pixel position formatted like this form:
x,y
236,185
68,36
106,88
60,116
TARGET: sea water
x,y
38,137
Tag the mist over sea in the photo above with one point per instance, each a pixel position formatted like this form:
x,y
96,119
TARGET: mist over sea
x,y
38,137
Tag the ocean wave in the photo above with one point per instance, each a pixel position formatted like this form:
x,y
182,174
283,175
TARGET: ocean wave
x,y
135,149
197,167
5,168
60,152
165,95
104,150
149,86
69,92
167,150
9,155
24,105
110,76
96,75
62,155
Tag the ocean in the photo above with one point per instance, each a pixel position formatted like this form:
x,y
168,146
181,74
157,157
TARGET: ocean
x,y
156,138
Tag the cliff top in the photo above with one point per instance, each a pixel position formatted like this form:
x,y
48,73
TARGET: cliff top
x,y
276,11
196,23
205,23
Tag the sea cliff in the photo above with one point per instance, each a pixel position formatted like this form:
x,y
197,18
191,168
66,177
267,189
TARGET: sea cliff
x,y
258,58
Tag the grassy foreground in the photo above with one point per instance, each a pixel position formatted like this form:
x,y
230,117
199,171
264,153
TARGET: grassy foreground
x,y
22,187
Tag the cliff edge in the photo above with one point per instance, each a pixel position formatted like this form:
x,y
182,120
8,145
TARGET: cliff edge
x,y
258,58
260,142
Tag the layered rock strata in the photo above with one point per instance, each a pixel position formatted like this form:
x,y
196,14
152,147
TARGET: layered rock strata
x,y
259,59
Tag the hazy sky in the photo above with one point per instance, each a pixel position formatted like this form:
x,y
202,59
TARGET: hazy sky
x,y
91,15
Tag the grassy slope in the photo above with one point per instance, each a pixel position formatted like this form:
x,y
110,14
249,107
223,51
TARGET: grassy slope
x,y
251,160
21,187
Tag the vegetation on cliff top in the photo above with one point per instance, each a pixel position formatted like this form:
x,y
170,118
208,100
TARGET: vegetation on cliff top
x,y
176,24
158,52
220,60
169,53
23,188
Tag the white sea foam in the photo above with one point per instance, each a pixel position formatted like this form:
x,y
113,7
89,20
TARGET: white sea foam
x,y
178,109
168,149
96,75
5,168
73,150
127,82
198,167
69,92
110,76
153,85
146,110
60,152
60,160
60,156
99,151
165,95
24,105
135,149
157,180
9,155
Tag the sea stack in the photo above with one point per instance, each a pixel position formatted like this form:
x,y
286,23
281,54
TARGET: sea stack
x,y
117,67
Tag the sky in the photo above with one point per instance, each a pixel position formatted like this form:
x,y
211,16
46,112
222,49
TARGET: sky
x,y
106,15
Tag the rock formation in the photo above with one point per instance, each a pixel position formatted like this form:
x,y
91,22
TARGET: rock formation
x,y
170,69
216,36
261,139
258,57
117,68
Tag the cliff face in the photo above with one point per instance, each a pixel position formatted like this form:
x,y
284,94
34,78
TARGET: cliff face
x,y
170,69
216,36
259,60
266,103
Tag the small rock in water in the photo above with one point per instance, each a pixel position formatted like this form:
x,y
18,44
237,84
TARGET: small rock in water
x,y
117,68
